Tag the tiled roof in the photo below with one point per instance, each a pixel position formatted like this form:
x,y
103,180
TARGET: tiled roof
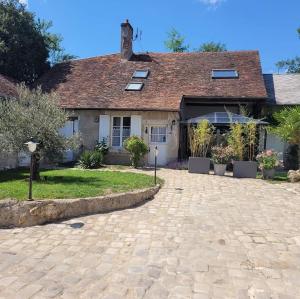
x,y
100,82
283,89
7,87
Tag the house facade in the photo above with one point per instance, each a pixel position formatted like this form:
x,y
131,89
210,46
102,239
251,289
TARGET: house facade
x,y
149,94
153,95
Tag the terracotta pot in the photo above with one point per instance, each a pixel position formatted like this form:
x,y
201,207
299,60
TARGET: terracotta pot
x,y
268,174
220,169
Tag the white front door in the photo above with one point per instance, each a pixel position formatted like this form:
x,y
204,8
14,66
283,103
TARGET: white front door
x,y
158,137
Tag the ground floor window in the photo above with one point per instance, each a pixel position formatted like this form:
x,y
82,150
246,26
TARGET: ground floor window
x,y
158,134
120,130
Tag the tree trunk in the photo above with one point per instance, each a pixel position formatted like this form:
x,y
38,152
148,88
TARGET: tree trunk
x,y
35,167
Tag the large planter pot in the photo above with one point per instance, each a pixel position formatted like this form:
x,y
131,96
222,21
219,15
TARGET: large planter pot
x,y
268,174
220,169
245,169
199,165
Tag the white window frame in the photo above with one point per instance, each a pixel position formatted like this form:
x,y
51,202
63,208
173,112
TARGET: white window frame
x,y
158,126
121,131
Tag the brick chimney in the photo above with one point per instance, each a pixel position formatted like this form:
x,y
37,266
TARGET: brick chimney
x,y
126,40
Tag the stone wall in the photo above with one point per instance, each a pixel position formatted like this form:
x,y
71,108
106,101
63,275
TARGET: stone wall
x,y
15,213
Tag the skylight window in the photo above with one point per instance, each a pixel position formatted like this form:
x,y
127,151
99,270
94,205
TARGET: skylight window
x,y
134,86
142,74
224,74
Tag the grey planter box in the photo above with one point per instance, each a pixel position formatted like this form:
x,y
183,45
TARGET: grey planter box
x,y
245,169
199,165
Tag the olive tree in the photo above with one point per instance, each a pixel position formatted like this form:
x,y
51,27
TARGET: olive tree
x,y
34,115
288,126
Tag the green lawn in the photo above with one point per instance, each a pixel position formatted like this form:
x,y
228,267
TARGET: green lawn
x,y
70,183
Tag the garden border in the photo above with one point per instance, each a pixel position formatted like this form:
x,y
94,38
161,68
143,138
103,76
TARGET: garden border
x,y
14,213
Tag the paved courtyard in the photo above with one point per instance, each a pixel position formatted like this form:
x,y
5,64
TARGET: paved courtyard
x,y
200,237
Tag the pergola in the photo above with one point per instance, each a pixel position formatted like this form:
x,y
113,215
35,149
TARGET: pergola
x,y
225,119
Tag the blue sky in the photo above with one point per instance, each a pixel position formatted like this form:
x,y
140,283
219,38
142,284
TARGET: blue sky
x,y
92,27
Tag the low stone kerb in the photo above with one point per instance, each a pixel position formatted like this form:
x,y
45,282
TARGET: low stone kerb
x,y
14,213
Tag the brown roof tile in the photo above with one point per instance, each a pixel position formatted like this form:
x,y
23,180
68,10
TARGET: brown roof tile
x,y
100,82
7,87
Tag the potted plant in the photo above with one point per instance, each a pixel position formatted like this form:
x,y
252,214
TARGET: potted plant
x,y
221,156
268,160
199,141
242,139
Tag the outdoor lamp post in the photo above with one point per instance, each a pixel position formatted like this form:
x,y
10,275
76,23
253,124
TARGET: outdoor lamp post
x,y
32,148
155,163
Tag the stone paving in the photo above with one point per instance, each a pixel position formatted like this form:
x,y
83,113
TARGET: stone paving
x,y
200,237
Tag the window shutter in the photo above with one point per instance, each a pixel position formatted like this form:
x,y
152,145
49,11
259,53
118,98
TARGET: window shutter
x,y
136,125
104,124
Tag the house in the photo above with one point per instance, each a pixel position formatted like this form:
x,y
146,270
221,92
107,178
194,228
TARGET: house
x,y
283,91
149,94
7,90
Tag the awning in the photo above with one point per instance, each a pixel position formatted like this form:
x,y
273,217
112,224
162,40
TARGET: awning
x,y
225,118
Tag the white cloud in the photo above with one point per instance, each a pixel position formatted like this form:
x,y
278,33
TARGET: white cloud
x,y
213,3
25,2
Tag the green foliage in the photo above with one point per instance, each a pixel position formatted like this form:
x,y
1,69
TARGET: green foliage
x,y
91,159
268,160
250,133
34,115
175,42
137,149
200,138
71,183
237,141
292,66
27,48
212,47
102,147
222,154
288,126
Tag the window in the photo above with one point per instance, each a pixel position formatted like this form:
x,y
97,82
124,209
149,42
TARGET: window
x,y
120,130
224,74
143,74
134,86
158,134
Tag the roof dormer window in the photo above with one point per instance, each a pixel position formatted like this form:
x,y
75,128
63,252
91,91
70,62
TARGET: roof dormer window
x,y
136,86
224,74
141,74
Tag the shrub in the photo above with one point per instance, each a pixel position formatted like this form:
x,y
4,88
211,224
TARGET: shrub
x,y
268,159
222,154
91,159
102,147
137,149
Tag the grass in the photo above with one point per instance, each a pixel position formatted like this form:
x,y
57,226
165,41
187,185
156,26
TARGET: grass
x,y
70,183
280,177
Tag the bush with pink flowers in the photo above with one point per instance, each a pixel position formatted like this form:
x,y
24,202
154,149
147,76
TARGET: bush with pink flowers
x,y
268,160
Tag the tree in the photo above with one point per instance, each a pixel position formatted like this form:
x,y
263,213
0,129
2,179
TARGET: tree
x,y
291,66
34,115
27,48
175,42
288,126
53,43
212,47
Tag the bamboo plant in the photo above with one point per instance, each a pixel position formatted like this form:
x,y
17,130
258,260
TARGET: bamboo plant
x,y
200,138
236,140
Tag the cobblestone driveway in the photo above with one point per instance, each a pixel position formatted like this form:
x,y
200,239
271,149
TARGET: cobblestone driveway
x,y
201,237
